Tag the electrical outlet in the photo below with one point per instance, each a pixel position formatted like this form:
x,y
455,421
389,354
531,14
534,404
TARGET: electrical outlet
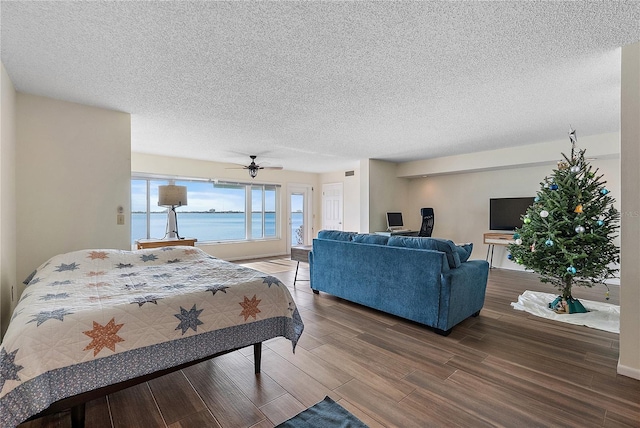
x,y
120,220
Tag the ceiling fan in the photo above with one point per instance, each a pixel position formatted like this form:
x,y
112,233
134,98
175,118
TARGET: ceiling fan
x,y
253,167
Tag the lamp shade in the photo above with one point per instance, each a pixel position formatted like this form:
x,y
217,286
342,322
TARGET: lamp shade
x,y
171,195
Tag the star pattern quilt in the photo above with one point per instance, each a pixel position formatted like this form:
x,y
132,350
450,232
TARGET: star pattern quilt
x,y
93,318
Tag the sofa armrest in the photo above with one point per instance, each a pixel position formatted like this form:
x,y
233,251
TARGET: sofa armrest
x,y
311,269
463,291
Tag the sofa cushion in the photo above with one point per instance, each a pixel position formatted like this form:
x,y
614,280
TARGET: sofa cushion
x,y
410,242
336,235
443,245
370,238
464,251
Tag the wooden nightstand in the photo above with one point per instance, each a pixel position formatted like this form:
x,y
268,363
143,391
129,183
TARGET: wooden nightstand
x,y
157,243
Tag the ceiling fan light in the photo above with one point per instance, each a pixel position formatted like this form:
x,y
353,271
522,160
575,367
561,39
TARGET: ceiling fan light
x,y
253,172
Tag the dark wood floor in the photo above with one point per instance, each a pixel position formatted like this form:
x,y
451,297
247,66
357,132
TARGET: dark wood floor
x,y
503,368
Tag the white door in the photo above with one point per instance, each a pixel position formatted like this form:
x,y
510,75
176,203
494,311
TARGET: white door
x,y
332,206
299,216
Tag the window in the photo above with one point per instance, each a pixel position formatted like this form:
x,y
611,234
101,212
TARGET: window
x,y
214,211
263,211
148,220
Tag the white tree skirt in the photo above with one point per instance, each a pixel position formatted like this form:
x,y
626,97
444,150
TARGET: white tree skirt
x,y
603,316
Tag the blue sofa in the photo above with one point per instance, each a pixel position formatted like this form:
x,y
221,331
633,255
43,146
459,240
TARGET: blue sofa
x,y
426,280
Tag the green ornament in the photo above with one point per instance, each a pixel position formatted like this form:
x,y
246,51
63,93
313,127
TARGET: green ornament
x,y
527,220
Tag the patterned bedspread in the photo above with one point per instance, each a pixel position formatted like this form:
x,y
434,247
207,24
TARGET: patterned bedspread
x,y
92,318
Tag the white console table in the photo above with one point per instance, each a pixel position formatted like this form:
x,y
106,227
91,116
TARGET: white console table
x,y
493,239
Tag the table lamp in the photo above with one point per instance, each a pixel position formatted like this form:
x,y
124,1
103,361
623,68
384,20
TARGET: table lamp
x,y
172,196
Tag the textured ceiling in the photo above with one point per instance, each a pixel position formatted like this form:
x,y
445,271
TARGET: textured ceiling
x,y
317,86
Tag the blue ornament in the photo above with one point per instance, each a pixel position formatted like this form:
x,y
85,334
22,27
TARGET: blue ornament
x,y
516,235
510,256
604,191
554,186
536,199
548,243
600,223
571,270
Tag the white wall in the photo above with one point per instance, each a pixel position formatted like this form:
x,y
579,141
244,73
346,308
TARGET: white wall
x,y
364,195
190,168
351,197
629,361
74,171
388,192
7,199
544,153
461,201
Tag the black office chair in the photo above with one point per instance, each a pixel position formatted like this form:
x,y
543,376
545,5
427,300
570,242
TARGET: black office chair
x,y
428,220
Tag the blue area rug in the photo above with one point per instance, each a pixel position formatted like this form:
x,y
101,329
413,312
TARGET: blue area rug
x,y
325,414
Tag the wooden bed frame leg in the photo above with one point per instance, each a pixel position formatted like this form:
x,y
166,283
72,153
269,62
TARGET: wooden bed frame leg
x,y
257,356
77,416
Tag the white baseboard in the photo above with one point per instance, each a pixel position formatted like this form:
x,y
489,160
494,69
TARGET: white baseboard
x,y
628,371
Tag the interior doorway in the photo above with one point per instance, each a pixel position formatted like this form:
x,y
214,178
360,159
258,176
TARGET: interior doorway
x,y
332,206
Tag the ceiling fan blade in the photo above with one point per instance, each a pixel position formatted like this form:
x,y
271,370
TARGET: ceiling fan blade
x,y
271,167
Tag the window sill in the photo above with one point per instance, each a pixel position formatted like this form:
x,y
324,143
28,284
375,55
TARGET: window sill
x,y
243,241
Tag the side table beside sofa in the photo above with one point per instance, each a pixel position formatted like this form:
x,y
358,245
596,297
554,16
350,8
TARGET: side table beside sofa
x,y
300,253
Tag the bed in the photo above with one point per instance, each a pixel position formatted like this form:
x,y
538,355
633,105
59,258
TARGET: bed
x,y
94,321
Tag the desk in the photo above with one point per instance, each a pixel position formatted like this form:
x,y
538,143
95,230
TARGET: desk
x,y
493,239
157,243
300,254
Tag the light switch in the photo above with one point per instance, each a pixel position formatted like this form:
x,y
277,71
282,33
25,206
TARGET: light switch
x,y
120,220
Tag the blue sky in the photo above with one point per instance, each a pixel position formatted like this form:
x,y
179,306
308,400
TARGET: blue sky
x,y
202,196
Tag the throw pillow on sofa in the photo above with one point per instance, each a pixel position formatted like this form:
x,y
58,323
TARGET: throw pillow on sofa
x,y
336,235
464,251
443,245
369,238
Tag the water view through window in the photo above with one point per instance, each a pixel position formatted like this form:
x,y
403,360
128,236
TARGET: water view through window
x,y
214,212
208,226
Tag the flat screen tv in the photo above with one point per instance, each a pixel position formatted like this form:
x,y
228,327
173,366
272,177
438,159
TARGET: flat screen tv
x,y
394,221
506,213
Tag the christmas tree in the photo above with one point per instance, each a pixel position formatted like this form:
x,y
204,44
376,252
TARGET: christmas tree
x,y
567,234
